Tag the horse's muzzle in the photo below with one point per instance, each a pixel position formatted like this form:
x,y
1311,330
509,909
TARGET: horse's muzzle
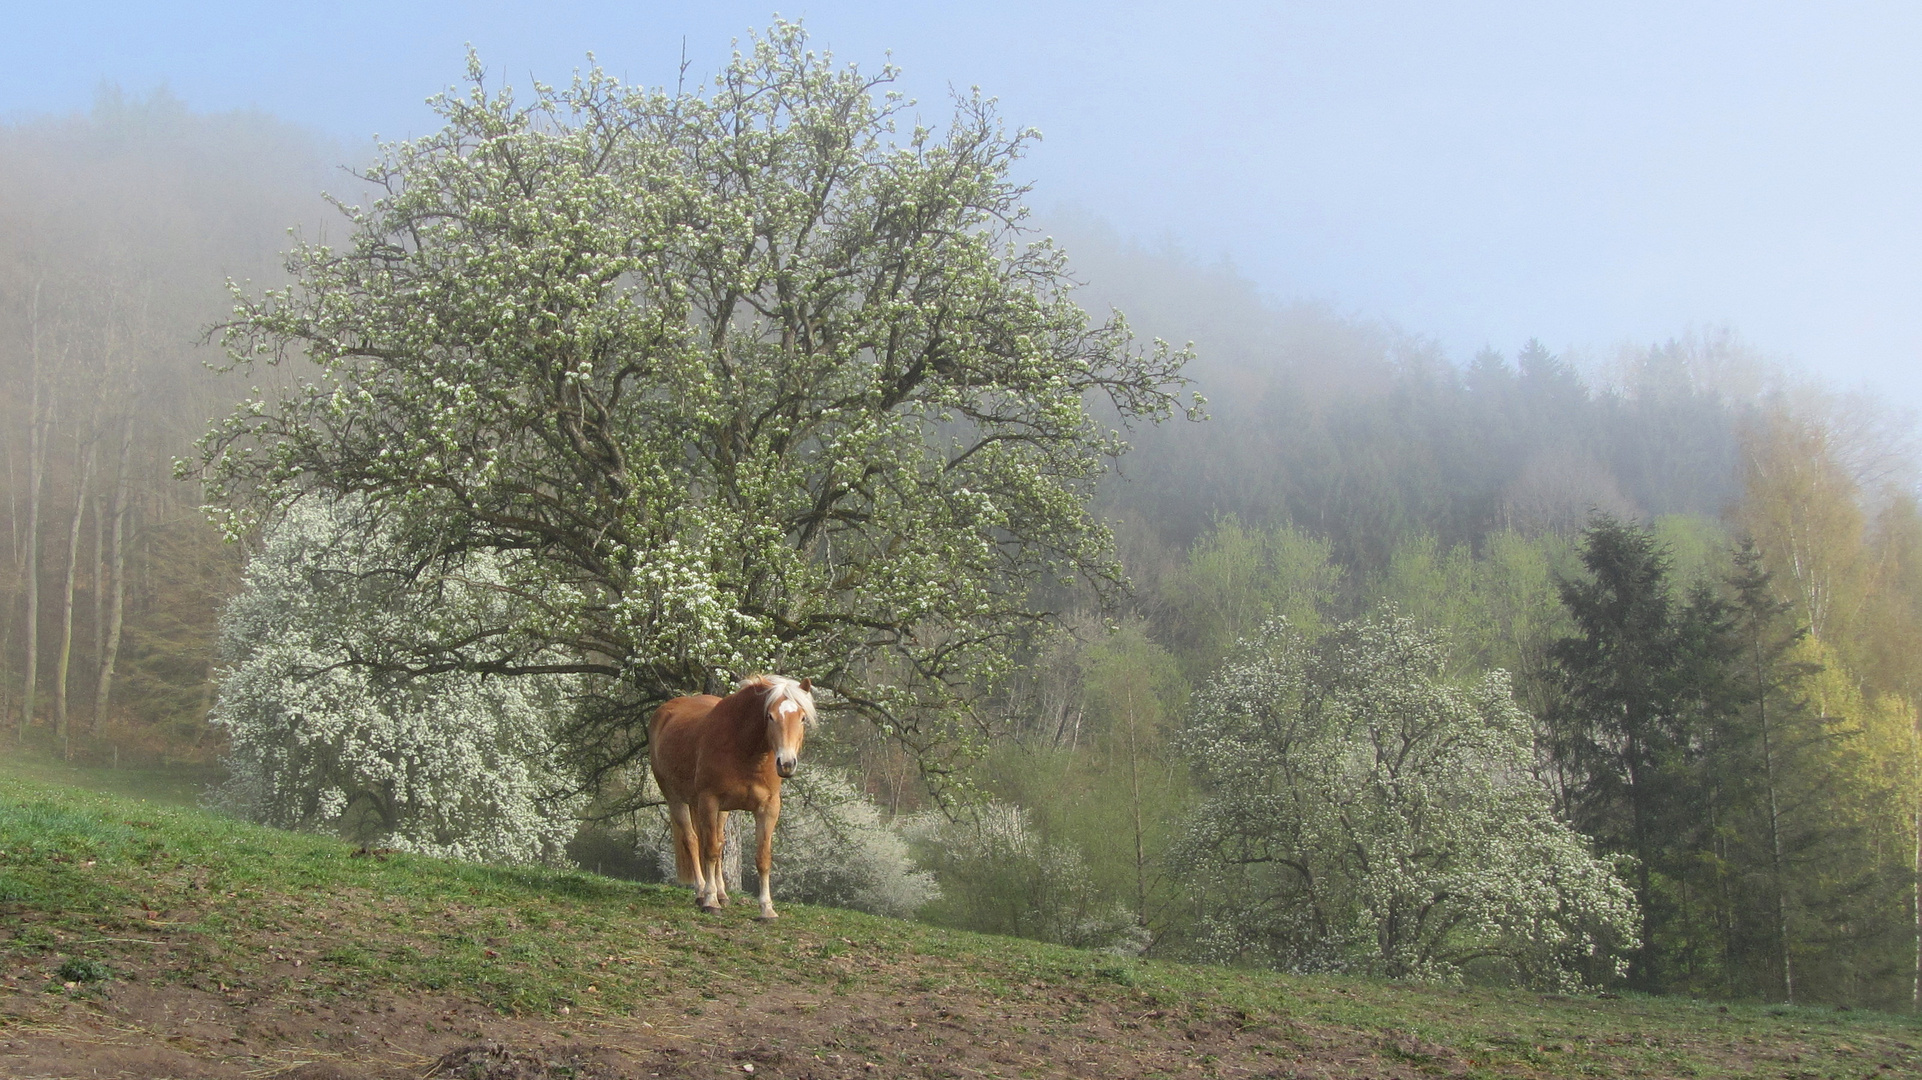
x,y
785,768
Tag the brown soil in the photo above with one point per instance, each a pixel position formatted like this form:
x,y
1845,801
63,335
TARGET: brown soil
x,y
186,1012
129,1030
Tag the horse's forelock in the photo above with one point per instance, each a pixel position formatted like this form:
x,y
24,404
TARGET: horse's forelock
x,y
781,688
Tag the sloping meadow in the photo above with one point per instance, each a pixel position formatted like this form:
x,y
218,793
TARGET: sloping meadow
x,y
138,939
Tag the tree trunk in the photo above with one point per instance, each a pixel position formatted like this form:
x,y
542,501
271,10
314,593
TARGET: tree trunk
x,y
36,474
13,519
1642,969
1915,879
96,587
18,557
84,467
1724,901
1776,869
1134,793
117,571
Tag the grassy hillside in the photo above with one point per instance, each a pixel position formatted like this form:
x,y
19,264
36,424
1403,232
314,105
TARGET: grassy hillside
x,y
142,939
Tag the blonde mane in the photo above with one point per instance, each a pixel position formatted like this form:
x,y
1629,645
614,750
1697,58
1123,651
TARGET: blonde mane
x,y
781,688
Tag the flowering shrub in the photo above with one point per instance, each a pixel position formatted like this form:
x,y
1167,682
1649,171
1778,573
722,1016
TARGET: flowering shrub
x,y
323,736
1369,815
831,847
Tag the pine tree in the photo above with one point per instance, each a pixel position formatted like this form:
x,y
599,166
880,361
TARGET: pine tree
x,y
1642,683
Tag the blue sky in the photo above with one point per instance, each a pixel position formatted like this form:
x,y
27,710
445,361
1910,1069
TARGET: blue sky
x,y
1482,173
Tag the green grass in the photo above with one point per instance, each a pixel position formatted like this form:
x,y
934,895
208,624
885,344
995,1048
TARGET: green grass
x,y
93,882
178,785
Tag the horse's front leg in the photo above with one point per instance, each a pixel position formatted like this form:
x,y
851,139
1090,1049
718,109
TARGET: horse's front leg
x,y
764,821
713,845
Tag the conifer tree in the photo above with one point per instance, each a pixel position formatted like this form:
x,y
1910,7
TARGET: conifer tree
x,y
1641,684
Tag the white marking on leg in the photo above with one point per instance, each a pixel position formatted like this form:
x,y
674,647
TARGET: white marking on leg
x,y
764,821
717,847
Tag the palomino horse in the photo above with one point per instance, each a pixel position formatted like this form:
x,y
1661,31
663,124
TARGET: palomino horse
x,y
712,755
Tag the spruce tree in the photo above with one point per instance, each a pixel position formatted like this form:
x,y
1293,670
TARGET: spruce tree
x,y
1642,684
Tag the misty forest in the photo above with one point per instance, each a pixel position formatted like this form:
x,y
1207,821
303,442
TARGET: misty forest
x,y
1234,630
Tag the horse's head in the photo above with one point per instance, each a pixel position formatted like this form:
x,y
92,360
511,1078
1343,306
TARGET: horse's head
x,y
790,709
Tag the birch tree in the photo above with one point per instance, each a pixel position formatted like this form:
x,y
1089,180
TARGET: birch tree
x,y
108,630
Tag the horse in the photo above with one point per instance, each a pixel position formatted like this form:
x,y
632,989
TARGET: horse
x,y
711,755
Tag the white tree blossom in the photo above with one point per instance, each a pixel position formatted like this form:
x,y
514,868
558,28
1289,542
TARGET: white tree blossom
x,y
325,733
756,377
1369,815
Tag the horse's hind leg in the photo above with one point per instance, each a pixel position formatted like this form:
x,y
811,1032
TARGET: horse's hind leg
x,y
687,852
716,858
686,866
709,824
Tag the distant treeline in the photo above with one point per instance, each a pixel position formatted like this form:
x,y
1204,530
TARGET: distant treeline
x,y
1753,757
118,232
1702,577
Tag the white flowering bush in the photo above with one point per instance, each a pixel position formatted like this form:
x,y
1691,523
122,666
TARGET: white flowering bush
x,y
999,876
832,846
1369,815
324,734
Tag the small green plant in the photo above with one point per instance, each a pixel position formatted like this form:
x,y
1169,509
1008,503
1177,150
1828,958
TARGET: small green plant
x,y
13,890
84,971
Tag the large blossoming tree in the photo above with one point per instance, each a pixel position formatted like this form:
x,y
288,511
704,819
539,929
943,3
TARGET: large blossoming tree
x,y
755,377
1367,813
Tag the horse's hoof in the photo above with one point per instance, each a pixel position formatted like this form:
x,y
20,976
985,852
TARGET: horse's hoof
x,y
710,909
766,916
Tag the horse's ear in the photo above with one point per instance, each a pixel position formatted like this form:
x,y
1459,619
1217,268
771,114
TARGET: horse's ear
x,y
807,685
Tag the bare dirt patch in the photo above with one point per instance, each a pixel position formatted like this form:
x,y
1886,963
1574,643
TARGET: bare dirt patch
x,y
128,1030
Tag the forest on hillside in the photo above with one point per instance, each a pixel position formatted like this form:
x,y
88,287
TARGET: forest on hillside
x,y
118,233
1671,595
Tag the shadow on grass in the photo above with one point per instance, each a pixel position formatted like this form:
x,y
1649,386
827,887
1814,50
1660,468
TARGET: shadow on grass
x,y
572,884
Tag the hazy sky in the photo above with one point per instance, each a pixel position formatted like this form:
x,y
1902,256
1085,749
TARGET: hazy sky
x,y
1588,174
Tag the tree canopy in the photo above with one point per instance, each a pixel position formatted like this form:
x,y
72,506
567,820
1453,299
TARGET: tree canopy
x,y
739,379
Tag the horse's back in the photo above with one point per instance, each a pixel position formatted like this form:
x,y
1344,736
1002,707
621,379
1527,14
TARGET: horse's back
x,y
681,712
674,743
